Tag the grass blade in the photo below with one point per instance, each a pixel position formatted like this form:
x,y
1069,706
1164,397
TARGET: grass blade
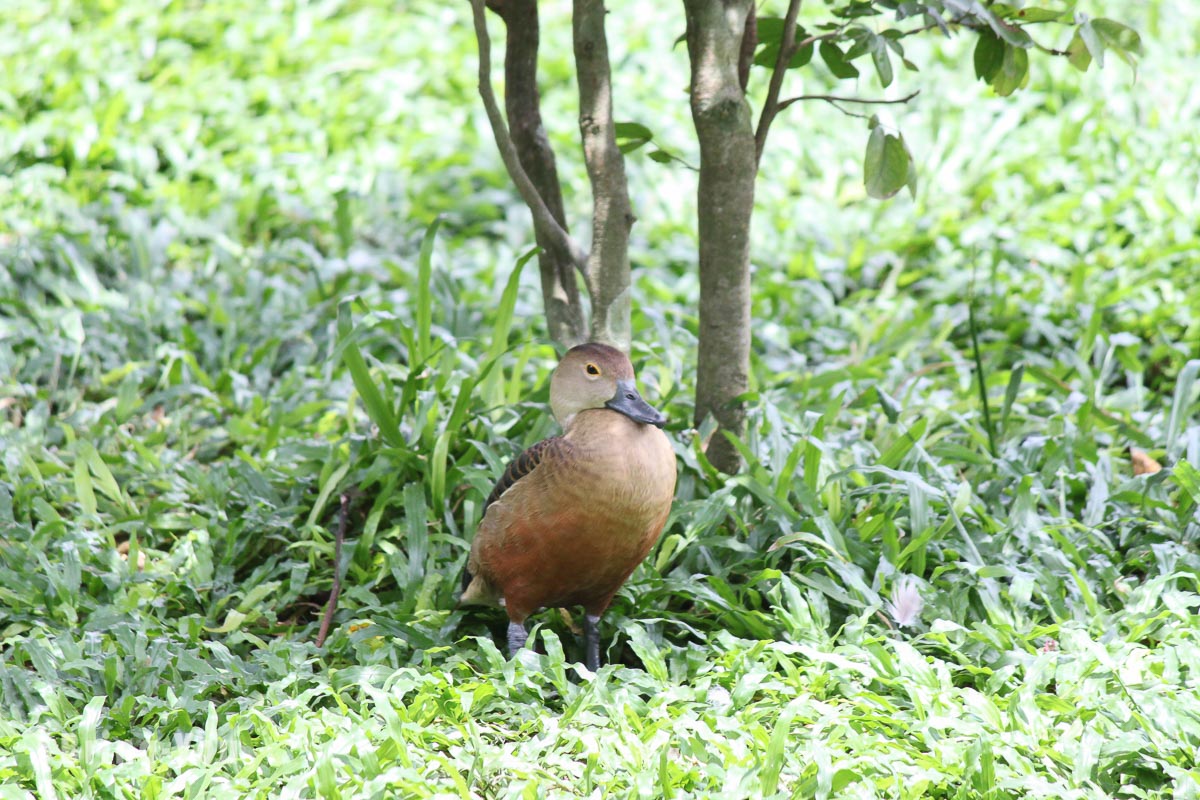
x,y
424,310
372,396
980,377
1181,402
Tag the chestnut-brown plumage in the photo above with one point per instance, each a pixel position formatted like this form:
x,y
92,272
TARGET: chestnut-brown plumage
x,y
573,515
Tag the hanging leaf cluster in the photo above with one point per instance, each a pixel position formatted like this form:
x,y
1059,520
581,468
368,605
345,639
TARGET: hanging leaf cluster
x,y
855,32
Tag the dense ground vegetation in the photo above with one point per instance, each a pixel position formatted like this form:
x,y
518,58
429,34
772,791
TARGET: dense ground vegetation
x,y
211,215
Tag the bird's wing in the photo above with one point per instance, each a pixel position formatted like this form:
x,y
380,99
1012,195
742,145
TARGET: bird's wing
x,y
524,464
518,468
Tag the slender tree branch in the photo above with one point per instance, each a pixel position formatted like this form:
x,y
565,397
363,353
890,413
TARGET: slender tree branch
x,y
607,272
834,99
522,104
543,220
331,605
787,48
819,37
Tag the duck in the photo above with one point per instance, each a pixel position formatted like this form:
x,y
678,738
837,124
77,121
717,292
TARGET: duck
x,y
572,516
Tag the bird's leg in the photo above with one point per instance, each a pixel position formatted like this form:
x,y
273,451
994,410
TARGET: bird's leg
x,y
591,641
516,637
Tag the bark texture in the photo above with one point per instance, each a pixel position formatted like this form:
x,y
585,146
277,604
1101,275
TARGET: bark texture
x,y
607,272
522,104
728,165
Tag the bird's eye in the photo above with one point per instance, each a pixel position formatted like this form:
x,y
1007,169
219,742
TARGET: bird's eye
x,y
592,369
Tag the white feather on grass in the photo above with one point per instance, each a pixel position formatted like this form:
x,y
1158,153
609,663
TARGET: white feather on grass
x,y
906,603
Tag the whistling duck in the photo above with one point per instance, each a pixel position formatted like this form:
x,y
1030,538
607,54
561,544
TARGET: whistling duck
x,y
573,515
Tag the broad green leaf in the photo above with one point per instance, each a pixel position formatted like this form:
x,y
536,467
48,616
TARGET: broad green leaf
x,y
1120,39
989,56
650,654
1092,40
1078,54
769,30
1011,34
887,165
84,492
883,63
1187,478
1014,71
1030,14
767,56
833,57
1118,35
631,136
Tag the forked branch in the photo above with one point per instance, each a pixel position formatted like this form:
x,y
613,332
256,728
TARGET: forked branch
x,y
543,220
835,101
522,105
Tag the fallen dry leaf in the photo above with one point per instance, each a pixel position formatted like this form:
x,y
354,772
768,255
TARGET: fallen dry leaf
x,y
1142,463
123,552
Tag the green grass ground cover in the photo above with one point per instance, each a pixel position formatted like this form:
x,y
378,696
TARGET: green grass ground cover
x,y
206,211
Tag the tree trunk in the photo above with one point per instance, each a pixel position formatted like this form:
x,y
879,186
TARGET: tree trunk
x,y
522,104
607,273
728,165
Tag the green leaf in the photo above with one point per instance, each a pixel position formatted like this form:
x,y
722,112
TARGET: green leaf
x,y
903,444
437,459
105,481
989,56
774,757
343,221
328,486
836,61
769,29
1077,53
1181,401
1187,478
1032,14
650,654
84,492
371,394
1120,39
1118,36
888,164
493,383
1092,41
631,136
1011,34
1014,71
424,309
767,56
883,63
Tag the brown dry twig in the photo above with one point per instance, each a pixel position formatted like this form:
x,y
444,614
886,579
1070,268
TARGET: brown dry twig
x,y
331,606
